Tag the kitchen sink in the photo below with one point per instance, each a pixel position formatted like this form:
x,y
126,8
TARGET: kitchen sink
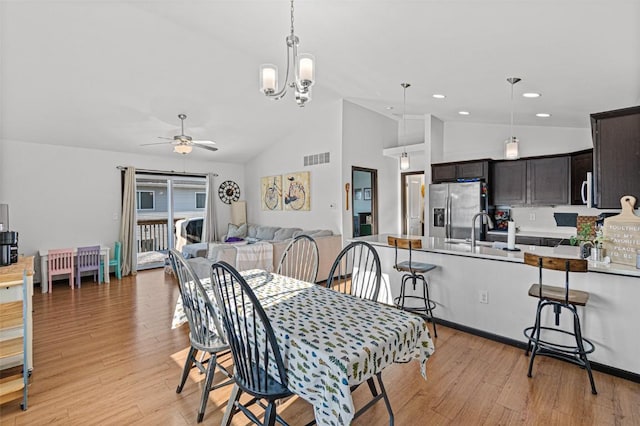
x,y
468,242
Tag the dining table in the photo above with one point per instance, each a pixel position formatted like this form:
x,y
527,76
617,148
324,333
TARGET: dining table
x,y
332,341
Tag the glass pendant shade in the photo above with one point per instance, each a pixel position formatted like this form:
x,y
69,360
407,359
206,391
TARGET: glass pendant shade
x,y
268,79
306,70
182,149
404,161
511,148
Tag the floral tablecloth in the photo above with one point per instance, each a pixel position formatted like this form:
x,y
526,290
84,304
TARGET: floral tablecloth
x,y
331,341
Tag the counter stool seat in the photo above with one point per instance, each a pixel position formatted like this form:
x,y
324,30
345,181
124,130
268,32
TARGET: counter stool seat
x,y
548,340
414,272
417,267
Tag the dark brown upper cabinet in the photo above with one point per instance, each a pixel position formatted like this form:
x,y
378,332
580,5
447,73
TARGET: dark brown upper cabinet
x,y
452,172
548,181
616,150
509,183
537,181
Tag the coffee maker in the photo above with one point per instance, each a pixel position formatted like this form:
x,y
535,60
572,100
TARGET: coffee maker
x,y
8,239
8,247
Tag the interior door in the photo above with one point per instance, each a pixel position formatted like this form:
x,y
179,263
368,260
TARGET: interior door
x,y
413,203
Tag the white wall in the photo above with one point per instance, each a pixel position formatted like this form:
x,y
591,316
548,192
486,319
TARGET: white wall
x,y
318,132
68,197
469,141
364,135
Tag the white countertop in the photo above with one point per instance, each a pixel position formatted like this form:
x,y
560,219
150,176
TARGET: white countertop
x,y
484,250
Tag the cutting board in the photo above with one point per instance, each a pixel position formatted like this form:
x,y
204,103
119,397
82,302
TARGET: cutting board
x,y
622,233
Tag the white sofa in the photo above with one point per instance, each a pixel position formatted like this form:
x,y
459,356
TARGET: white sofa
x,y
200,256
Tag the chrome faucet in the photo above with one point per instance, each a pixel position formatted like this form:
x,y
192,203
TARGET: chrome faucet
x,y
473,227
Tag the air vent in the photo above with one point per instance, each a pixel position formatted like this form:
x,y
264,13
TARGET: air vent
x,y
312,160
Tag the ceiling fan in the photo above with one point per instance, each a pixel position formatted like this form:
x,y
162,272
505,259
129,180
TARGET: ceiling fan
x,y
183,144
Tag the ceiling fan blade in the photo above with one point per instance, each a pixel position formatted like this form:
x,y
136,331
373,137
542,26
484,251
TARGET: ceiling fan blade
x,y
162,137
156,143
204,142
209,147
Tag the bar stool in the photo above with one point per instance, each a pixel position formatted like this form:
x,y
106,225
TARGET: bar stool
x,y
546,340
415,272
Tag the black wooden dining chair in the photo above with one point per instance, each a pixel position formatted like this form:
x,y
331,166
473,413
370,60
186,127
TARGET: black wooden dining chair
x,y
205,331
356,271
259,369
300,259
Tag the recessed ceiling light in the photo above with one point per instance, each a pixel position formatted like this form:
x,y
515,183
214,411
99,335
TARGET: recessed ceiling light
x,y
543,115
388,108
531,95
438,96
463,112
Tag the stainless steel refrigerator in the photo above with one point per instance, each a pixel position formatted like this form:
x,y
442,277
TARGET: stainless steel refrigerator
x,y
453,205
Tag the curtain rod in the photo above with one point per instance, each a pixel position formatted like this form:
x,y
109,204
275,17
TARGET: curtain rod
x,y
172,172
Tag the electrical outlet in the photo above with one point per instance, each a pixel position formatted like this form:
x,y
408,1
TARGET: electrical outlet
x,y
532,217
484,296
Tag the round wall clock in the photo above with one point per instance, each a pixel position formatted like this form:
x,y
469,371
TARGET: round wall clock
x,y
229,191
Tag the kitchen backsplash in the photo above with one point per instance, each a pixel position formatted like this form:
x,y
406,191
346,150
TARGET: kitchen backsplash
x,y
541,219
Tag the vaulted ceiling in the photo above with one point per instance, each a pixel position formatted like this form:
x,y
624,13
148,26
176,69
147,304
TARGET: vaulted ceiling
x,y
114,74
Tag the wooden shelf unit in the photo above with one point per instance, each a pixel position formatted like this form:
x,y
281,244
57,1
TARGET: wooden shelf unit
x,y
14,334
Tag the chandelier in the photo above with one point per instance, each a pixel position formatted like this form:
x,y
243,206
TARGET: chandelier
x,y
511,144
301,79
404,157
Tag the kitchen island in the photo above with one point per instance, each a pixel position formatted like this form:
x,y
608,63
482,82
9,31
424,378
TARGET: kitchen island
x,y
609,320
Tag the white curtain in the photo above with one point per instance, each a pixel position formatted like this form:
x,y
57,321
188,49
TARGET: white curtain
x,y
128,223
209,231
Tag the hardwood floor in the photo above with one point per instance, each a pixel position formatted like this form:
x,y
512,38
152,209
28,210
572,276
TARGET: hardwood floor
x,y
105,354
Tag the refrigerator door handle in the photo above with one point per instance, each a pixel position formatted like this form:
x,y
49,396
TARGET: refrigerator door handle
x,y
448,217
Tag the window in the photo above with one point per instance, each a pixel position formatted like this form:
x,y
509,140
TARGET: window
x,y
146,200
201,198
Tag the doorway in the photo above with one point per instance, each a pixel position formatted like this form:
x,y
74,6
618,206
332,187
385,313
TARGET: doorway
x,y
162,202
413,204
364,193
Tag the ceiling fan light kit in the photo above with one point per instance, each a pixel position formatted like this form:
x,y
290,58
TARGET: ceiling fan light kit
x,y
183,144
182,149
301,79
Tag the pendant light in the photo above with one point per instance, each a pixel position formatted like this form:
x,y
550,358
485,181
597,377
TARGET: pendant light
x,y
511,144
300,74
404,157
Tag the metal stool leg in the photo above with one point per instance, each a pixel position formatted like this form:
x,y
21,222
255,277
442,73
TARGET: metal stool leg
x,y
583,354
428,304
535,332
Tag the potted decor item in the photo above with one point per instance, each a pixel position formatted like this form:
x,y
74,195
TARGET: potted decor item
x,y
590,242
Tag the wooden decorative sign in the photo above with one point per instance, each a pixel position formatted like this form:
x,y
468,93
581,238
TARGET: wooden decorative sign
x,y
622,233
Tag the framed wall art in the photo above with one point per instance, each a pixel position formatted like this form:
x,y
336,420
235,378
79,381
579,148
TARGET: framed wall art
x,y
367,193
296,191
271,192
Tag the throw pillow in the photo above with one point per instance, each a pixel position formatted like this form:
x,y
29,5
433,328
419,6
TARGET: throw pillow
x,y
285,233
266,232
235,231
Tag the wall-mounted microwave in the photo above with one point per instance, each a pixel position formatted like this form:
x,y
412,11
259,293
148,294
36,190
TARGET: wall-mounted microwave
x,y
586,191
